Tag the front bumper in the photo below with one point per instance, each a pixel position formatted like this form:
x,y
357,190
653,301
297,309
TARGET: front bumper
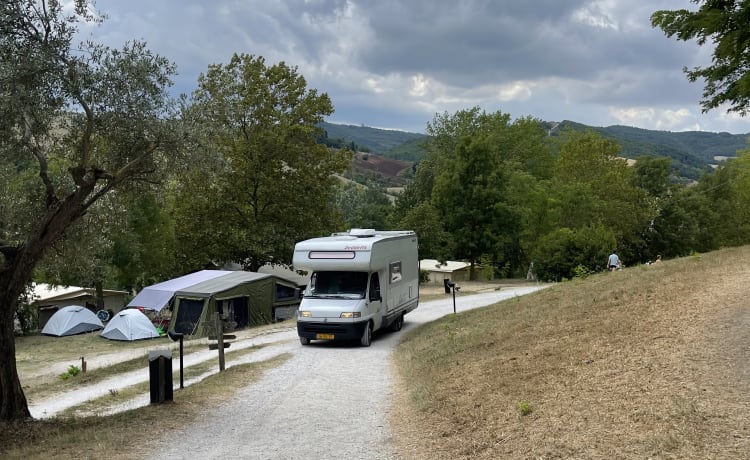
x,y
315,330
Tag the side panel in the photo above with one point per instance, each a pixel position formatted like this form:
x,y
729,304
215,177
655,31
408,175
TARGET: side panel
x,y
398,262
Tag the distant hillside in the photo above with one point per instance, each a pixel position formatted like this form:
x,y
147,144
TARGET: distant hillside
x,y
369,139
413,150
691,152
379,169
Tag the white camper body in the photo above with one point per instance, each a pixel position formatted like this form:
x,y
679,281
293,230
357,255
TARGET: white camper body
x,y
360,281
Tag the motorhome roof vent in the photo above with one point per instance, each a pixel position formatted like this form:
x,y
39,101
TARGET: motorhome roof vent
x,y
362,232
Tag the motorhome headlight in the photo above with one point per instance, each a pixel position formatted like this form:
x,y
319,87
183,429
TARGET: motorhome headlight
x,y
305,314
350,314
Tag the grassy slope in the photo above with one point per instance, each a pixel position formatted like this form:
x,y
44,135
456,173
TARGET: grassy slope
x,y
647,362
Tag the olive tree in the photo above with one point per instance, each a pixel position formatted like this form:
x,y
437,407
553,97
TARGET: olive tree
x,y
77,122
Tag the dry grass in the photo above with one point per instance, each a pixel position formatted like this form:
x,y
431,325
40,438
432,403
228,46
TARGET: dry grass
x,y
121,436
35,354
650,362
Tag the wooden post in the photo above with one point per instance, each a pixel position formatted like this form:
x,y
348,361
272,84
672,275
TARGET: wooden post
x,y
220,340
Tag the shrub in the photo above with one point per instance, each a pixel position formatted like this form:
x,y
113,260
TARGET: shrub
x,y
71,372
564,253
525,407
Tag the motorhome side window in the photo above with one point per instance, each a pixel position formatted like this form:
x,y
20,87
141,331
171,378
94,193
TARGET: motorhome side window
x,y
337,283
395,272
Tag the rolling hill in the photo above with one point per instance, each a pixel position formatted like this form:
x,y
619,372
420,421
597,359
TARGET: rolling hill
x,y
692,152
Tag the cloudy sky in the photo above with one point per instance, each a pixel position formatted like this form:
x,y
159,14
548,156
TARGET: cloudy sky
x,y
395,64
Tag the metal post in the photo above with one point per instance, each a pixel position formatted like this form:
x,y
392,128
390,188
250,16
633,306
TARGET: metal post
x,y
178,336
181,379
453,287
220,339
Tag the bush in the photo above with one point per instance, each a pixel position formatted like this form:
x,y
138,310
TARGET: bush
x,y
566,253
72,372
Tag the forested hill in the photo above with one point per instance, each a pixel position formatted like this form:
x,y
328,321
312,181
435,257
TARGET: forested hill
x,y
367,139
691,151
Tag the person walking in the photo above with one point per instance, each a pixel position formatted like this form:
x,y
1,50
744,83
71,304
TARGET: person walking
x,y
613,262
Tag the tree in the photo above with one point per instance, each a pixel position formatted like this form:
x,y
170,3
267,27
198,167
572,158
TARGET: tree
x,y
75,125
726,23
434,242
653,175
561,252
269,183
592,186
478,168
143,251
362,206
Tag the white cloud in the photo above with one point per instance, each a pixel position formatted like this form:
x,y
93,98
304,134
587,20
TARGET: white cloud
x,y
597,14
659,119
518,90
420,86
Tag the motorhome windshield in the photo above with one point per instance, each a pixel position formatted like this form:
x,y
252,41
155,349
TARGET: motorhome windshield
x,y
338,284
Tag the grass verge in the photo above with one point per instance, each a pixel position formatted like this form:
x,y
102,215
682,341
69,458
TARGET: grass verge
x,y
120,396
120,436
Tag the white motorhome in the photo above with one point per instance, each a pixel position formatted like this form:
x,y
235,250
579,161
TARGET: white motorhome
x,y
360,281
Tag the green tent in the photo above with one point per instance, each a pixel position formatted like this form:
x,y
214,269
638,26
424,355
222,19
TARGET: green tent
x,y
242,299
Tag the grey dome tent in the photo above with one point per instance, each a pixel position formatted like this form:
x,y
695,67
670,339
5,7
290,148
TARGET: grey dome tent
x,y
72,320
129,325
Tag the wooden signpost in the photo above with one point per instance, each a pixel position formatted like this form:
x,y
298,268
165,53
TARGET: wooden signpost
x,y
220,338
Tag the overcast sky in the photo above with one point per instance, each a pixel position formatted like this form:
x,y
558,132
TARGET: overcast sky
x,y
395,64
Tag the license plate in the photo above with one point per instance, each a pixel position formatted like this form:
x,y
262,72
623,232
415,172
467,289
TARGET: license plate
x,y
324,336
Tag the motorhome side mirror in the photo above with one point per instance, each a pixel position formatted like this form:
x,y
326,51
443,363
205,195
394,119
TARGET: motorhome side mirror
x,y
175,336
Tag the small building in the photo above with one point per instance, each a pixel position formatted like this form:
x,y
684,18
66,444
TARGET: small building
x,y
47,299
439,271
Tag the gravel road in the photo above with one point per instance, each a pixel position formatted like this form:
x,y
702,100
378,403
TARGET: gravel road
x,y
329,401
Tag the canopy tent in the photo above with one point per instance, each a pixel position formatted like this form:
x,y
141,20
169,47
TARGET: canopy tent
x,y
241,299
157,296
129,325
72,320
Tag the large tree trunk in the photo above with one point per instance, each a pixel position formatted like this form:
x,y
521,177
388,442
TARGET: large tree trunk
x,y
16,271
13,405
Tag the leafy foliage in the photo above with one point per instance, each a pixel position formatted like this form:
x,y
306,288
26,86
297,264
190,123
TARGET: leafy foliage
x,y
564,253
270,182
362,206
725,24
